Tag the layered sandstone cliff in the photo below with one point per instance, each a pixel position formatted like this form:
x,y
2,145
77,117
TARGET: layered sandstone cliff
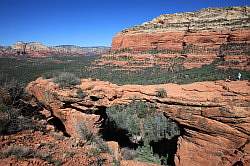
x,y
214,115
201,37
207,28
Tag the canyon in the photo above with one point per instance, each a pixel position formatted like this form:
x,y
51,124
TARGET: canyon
x,y
166,63
214,116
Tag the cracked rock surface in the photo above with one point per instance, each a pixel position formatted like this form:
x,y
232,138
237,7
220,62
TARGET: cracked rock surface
x,y
215,116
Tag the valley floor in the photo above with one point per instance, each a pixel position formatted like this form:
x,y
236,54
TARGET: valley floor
x,y
28,69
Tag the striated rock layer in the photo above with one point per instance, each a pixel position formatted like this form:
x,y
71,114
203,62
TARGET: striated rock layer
x,y
207,40
208,27
199,36
215,116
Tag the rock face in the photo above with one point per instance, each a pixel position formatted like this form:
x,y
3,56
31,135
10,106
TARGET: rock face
x,y
207,28
200,36
214,115
36,49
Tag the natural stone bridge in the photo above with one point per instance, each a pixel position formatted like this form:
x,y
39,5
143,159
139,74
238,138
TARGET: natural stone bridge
x,y
214,116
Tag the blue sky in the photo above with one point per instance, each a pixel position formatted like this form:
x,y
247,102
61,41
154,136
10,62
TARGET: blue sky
x,y
86,22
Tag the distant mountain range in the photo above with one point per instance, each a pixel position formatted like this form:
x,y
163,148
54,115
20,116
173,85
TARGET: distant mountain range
x,y
37,49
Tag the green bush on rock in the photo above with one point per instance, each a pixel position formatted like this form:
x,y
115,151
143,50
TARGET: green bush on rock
x,y
161,93
67,80
145,126
124,120
91,138
145,154
158,127
141,119
16,113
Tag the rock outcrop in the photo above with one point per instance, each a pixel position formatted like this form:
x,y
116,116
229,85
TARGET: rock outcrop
x,y
208,27
200,36
36,49
214,115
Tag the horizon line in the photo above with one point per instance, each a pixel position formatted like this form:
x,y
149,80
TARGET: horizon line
x,y
56,45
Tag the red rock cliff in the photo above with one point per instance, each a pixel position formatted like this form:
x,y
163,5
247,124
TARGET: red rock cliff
x,y
206,29
214,115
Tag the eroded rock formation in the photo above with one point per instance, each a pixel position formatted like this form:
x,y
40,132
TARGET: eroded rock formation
x,y
201,36
214,115
209,27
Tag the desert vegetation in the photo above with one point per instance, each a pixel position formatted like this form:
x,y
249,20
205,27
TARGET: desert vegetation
x,y
66,80
144,126
161,93
21,119
138,126
69,117
226,48
20,114
16,112
26,70
22,152
99,146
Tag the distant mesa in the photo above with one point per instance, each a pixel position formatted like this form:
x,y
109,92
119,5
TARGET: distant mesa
x,y
36,49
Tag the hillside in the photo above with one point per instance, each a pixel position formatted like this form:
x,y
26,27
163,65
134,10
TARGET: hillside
x,y
208,27
200,37
36,49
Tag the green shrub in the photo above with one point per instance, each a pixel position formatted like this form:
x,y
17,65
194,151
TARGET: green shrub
x,y
4,121
161,93
128,154
99,161
3,107
145,154
50,74
123,50
80,94
48,157
56,162
158,127
101,145
13,121
124,119
94,152
141,119
49,96
92,138
70,154
84,132
116,162
67,80
22,152
16,114
142,108
18,152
